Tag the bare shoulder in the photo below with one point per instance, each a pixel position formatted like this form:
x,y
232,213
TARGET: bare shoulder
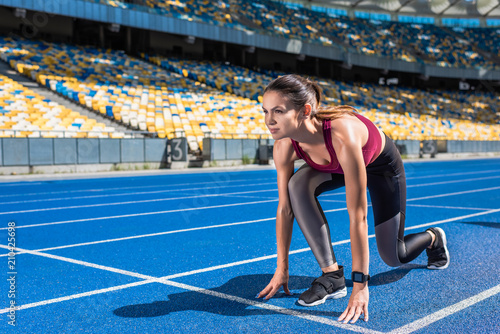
x,y
283,152
348,130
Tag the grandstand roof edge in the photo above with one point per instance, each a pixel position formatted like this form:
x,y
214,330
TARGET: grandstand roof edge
x,y
466,9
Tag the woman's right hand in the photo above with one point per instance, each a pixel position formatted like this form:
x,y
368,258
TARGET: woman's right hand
x,y
279,279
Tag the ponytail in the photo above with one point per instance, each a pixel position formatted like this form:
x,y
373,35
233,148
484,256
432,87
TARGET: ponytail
x,y
333,112
317,91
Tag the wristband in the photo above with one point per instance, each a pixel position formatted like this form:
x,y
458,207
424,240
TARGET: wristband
x,y
359,277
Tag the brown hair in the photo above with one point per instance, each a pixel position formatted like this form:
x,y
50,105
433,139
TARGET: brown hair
x,y
299,91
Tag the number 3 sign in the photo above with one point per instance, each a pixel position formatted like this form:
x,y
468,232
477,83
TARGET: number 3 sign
x,y
178,149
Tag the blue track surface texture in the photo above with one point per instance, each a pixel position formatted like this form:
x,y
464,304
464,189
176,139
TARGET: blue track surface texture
x,y
187,253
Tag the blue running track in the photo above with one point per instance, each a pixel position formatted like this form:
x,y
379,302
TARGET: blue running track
x,y
188,252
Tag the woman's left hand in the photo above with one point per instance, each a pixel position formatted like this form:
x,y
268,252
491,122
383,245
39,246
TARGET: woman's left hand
x,y
358,304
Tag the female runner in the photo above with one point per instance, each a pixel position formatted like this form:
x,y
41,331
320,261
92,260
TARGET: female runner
x,y
340,148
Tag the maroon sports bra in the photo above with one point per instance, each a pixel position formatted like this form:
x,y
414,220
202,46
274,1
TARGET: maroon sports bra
x,y
370,150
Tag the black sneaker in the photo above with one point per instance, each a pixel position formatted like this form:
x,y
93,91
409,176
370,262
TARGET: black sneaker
x,y
438,255
328,286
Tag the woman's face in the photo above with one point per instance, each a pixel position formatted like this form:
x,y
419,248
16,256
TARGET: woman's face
x,y
282,118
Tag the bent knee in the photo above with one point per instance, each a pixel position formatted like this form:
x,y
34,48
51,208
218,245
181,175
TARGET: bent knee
x,y
387,241
390,258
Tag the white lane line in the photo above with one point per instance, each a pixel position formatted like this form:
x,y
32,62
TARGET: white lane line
x,y
215,180
135,193
447,207
254,197
329,194
453,219
453,194
19,183
134,202
150,279
193,272
452,309
335,210
82,263
333,200
79,295
183,209
454,181
454,174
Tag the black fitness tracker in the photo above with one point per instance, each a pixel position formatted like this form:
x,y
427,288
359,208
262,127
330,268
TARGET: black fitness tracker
x,y
359,277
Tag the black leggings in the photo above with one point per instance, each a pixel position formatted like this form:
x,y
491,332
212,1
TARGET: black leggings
x,y
387,185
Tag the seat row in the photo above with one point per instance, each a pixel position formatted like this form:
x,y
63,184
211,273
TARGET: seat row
x,y
395,40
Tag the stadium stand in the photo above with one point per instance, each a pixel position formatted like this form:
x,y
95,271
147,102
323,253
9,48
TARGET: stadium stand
x,y
402,112
484,38
23,113
200,98
408,42
404,41
412,114
478,107
436,45
416,114
215,13
212,12
291,22
280,20
135,92
226,77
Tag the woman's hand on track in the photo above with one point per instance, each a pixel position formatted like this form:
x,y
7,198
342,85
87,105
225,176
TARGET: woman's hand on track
x,y
358,304
279,279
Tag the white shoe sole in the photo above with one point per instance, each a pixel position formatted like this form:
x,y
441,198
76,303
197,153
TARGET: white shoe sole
x,y
336,295
443,237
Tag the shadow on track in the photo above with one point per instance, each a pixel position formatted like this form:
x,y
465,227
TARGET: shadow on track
x,y
247,287
486,224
